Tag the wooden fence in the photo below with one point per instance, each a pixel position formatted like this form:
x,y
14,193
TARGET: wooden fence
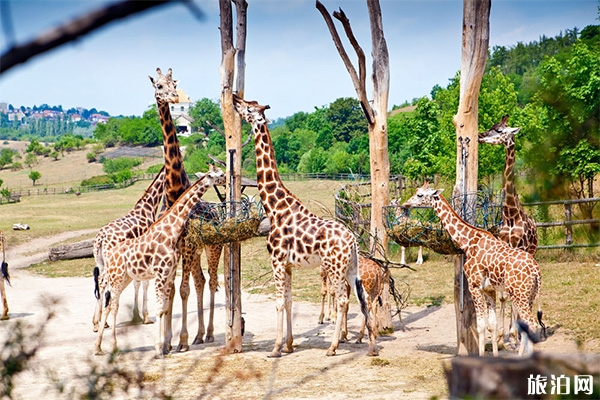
x,y
568,222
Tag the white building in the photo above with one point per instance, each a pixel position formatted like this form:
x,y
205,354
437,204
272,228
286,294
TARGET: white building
x,y
180,114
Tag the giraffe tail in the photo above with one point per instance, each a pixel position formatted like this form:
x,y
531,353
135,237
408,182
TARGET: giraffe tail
x,y
543,334
5,273
96,283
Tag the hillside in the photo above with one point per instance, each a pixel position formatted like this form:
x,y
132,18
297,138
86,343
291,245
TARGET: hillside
x,y
67,171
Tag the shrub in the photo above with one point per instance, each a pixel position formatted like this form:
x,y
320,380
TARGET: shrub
x,y
100,180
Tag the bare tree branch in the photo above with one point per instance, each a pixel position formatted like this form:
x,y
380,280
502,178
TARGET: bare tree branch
x,y
216,128
79,27
358,80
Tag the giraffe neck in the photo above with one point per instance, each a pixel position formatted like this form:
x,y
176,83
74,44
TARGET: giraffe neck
x,y
151,199
276,198
511,204
173,221
460,232
176,178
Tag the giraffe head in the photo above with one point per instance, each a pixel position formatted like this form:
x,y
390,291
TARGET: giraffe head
x,y
423,197
214,176
499,134
251,111
165,87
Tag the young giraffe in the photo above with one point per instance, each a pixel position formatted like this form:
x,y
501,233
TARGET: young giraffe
x,y
491,265
372,278
131,225
5,277
177,182
300,238
518,229
153,254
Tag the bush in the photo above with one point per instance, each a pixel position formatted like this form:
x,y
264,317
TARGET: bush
x,y
100,180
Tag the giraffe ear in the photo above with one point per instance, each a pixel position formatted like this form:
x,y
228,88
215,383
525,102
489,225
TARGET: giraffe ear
x,y
438,192
151,79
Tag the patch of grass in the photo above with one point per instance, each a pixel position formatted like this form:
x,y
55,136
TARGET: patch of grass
x,y
65,268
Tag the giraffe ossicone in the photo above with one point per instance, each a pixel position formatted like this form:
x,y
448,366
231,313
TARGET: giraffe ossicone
x,y
300,238
491,265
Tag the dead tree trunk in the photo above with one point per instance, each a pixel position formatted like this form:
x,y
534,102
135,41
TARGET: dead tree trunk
x,y
233,139
376,115
475,40
72,251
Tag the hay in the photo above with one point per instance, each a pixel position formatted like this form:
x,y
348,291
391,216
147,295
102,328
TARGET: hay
x,y
212,223
411,233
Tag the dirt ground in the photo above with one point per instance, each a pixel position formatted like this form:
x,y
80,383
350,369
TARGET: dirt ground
x,y
410,364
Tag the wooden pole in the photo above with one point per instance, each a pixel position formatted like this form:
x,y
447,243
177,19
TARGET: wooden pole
x,y
475,41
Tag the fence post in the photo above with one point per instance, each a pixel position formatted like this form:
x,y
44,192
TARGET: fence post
x,y
568,227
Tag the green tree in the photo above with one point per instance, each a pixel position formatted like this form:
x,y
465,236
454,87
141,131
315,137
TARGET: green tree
x,y
30,160
206,110
34,176
346,118
6,157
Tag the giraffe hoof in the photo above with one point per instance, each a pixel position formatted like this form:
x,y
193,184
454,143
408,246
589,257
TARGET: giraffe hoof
x,y
99,352
330,353
147,321
182,348
209,339
198,340
274,354
287,349
373,353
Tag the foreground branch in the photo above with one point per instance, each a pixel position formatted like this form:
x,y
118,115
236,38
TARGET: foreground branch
x,y
79,27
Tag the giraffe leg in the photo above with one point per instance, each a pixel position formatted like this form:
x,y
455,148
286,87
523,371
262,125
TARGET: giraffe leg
x,y
492,321
136,310
420,256
184,292
164,289
324,294
279,276
213,255
199,283
289,338
4,315
145,316
342,309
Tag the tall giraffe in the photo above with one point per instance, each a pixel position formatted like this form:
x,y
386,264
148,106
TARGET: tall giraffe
x,y
177,182
491,265
300,238
518,229
131,225
5,277
153,254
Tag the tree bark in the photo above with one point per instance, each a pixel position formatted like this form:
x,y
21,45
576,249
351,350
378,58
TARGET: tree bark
x,y
475,41
233,139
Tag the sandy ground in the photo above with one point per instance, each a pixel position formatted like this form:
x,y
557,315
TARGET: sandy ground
x,y
409,365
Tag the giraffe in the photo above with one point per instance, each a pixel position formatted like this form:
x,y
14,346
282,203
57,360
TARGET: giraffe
x,y
5,277
401,217
518,229
153,254
131,225
491,264
300,238
372,278
177,182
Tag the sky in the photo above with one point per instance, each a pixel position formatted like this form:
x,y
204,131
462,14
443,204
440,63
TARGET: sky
x,y
291,61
